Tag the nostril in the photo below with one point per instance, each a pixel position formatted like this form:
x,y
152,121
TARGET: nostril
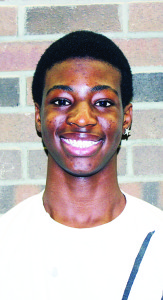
x,y
81,125
82,118
82,122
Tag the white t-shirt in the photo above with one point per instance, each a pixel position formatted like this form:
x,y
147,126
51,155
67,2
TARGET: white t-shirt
x,y
41,259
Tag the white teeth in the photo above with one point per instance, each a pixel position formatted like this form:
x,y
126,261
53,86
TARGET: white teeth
x,y
80,143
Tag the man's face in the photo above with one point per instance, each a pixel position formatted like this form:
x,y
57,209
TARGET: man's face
x,y
81,115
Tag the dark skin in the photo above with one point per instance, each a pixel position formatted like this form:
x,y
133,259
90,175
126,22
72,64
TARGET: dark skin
x,y
81,121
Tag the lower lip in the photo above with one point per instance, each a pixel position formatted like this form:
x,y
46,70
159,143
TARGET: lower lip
x,y
76,151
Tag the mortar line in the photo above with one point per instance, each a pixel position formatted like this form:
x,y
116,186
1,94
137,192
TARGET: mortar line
x,y
147,69
52,37
21,146
125,18
25,181
140,178
21,20
17,110
121,179
12,74
135,70
141,142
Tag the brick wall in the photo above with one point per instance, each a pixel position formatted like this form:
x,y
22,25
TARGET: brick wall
x,y
26,29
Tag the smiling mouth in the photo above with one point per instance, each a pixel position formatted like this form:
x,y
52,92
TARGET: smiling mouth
x,y
80,147
80,143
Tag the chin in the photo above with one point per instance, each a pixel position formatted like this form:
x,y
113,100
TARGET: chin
x,y
83,172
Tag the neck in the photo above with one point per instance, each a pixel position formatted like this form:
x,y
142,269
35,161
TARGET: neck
x,y
83,201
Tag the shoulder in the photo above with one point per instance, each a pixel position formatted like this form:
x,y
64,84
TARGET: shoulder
x,y
20,214
144,213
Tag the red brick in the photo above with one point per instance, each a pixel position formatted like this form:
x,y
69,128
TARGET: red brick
x,y
8,21
63,19
22,192
147,160
147,124
142,52
29,91
146,17
21,56
133,189
136,189
18,128
21,127
25,55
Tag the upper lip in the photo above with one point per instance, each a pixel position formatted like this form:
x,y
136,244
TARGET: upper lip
x,y
81,136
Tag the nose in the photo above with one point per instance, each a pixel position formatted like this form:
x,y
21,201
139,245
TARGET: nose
x,y
82,115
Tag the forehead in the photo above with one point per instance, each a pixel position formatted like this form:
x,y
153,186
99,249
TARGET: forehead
x,y
80,70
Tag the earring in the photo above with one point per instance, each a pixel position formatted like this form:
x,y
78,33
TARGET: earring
x,y
126,133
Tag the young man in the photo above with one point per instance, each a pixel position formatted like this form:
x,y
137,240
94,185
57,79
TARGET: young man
x,y
82,238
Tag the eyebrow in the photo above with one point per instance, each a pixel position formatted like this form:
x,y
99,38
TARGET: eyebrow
x,y
69,89
103,87
60,87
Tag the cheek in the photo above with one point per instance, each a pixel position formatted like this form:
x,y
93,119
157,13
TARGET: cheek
x,y
110,124
47,126
52,122
105,123
112,128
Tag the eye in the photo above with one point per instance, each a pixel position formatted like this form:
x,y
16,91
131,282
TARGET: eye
x,y
103,103
61,102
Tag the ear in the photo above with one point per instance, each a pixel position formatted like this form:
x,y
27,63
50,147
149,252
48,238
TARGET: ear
x,y
38,118
127,121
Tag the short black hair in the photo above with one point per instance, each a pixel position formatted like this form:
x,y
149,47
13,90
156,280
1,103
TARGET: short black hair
x,y
80,44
